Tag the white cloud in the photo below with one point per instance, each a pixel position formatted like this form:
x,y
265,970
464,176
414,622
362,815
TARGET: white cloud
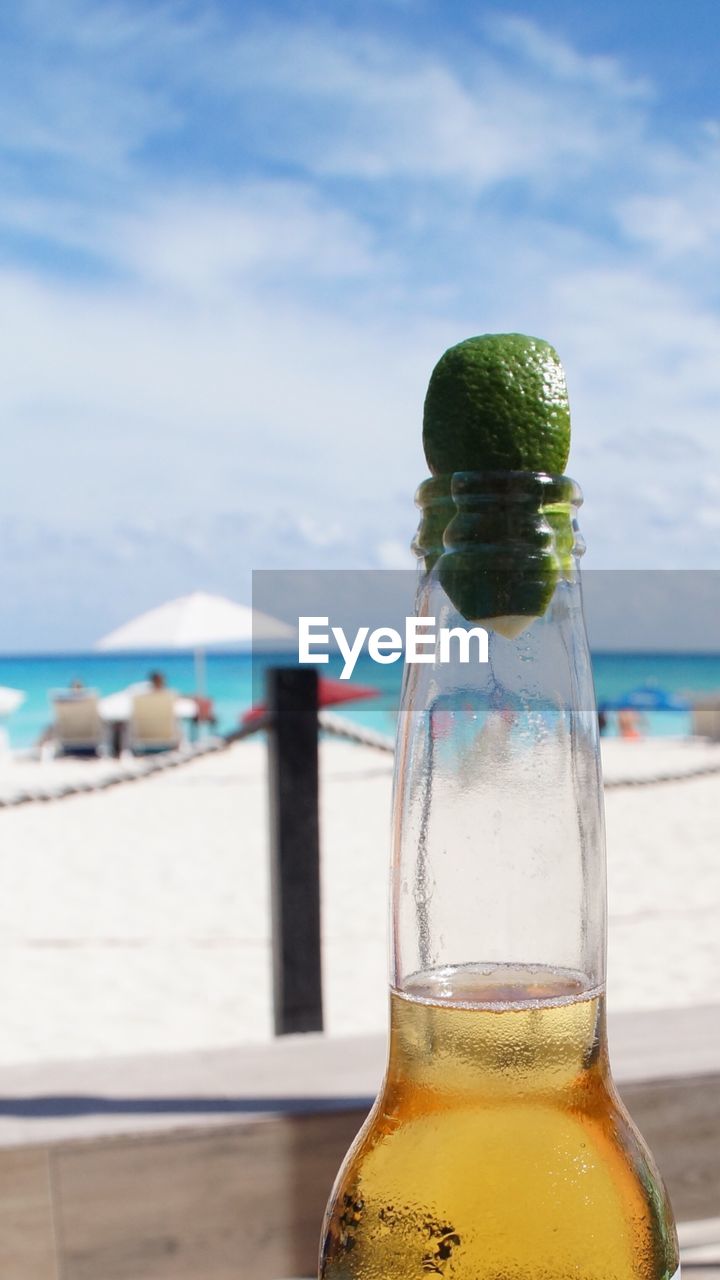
x,y
217,240
108,80
663,222
379,112
66,101
558,59
214,363
392,553
129,397
678,215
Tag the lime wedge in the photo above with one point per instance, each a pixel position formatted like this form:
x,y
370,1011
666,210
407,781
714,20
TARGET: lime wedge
x,y
498,404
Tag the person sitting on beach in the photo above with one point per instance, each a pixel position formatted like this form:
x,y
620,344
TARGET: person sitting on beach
x,y
628,722
156,680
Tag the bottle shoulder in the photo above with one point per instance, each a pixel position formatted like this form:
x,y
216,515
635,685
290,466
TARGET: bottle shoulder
x,y
548,1185
499,1135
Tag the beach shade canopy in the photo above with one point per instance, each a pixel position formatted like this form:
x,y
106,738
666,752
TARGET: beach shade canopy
x,y
647,697
330,694
197,622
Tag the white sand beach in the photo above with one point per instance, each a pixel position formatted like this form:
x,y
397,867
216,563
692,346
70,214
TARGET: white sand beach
x,y
136,919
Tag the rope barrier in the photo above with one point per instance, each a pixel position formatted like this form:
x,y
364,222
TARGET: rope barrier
x,y
701,771
329,722
342,728
141,768
339,727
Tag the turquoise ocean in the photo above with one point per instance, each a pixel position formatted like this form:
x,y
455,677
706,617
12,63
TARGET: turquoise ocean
x,y
235,681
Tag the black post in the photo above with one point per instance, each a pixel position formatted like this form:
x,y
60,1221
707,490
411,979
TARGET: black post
x,y
294,848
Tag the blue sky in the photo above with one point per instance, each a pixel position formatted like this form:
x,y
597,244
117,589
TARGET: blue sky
x,y
235,239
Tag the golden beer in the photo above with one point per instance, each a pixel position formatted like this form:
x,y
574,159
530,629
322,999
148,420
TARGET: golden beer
x,y
498,1148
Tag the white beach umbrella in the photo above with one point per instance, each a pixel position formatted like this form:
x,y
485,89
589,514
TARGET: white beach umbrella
x,y
10,699
196,622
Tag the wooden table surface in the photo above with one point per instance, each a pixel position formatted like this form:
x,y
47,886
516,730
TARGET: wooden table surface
x,y
216,1166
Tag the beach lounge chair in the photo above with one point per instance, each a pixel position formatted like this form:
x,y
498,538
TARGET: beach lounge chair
x,y
78,729
153,723
706,717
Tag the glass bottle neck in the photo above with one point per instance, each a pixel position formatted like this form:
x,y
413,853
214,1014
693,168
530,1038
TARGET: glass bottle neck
x,y
498,883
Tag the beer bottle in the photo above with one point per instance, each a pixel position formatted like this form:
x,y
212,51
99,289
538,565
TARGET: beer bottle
x,y
498,1148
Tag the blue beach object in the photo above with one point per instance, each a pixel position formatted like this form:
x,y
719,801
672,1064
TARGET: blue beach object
x,y
647,697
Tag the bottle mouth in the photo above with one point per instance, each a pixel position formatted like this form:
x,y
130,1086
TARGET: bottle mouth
x,y
507,497
516,486
499,542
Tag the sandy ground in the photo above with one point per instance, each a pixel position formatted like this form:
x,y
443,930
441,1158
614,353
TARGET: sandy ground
x,y
137,919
